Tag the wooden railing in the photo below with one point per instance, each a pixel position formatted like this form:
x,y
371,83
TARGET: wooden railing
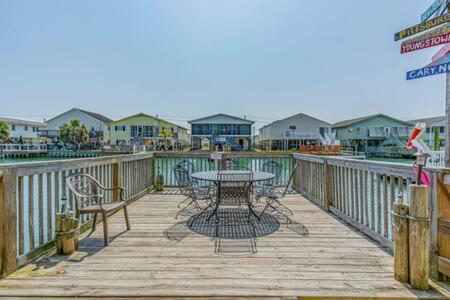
x,y
362,194
31,193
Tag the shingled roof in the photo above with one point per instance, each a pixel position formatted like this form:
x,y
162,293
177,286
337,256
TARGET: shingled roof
x,y
357,120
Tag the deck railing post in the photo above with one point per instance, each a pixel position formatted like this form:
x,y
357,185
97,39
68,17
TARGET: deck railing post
x,y
328,184
117,180
419,236
8,214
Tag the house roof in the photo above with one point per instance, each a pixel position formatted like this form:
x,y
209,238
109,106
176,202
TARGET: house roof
x,y
357,120
297,115
429,120
147,116
97,116
221,114
12,121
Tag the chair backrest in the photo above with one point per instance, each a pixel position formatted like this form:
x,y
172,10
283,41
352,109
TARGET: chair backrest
x,y
235,185
227,164
274,168
188,165
183,179
291,177
85,188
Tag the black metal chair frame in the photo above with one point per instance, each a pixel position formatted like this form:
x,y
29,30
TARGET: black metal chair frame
x,y
274,168
191,189
273,198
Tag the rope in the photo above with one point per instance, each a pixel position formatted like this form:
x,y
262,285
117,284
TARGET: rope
x,y
410,217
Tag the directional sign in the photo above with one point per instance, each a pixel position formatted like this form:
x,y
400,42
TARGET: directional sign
x,y
431,10
422,27
428,71
429,34
444,50
430,42
441,60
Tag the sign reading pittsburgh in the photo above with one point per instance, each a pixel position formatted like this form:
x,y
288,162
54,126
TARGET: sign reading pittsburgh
x,y
422,27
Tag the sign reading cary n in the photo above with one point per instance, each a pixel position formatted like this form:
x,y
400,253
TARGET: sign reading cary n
x,y
422,27
432,9
428,71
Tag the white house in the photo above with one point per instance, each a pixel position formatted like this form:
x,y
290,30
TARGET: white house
x,y
294,131
223,131
23,129
434,124
96,124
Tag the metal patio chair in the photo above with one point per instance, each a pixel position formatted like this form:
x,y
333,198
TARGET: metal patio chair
x,y
227,164
192,190
273,196
91,199
273,167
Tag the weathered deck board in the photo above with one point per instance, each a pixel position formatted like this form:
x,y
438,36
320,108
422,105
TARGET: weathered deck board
x,y
331,261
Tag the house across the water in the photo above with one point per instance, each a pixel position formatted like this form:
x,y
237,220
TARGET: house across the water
x,y
295,131
23,131
377,135
221,130
147,130
97,125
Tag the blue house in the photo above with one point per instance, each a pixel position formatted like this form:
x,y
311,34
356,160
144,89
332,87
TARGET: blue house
x,y
221,130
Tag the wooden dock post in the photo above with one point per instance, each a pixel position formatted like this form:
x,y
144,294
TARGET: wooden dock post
x,y
419,236
400,236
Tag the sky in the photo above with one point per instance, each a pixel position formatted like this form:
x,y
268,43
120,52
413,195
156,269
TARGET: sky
x,y
185,59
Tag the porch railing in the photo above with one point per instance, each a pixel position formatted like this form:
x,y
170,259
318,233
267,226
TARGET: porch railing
x,y
30,197
362,194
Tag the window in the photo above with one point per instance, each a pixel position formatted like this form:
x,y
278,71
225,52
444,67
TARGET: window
x,y
119,128
441,129
13,127
92,129
34,129
26,128
292,127
358,129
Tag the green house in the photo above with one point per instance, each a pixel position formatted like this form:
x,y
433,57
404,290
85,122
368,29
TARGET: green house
x,y
375,134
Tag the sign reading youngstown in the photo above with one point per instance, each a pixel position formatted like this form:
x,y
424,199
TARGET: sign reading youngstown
x,y
431,42
428,71
429,34
422,27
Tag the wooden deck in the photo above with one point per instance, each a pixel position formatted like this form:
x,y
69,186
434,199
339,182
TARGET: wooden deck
x,y
324,259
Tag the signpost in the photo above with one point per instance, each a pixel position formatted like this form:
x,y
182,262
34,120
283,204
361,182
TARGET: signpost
x,y
440,11
422,27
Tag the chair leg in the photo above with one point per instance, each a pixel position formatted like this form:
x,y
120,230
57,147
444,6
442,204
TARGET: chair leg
x,y
94,224
105,228
125,212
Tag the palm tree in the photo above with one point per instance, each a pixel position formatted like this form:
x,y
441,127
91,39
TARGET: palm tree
x,y
74,133
4,132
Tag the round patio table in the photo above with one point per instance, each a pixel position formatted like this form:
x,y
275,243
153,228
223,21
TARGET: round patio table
x,y
232,176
